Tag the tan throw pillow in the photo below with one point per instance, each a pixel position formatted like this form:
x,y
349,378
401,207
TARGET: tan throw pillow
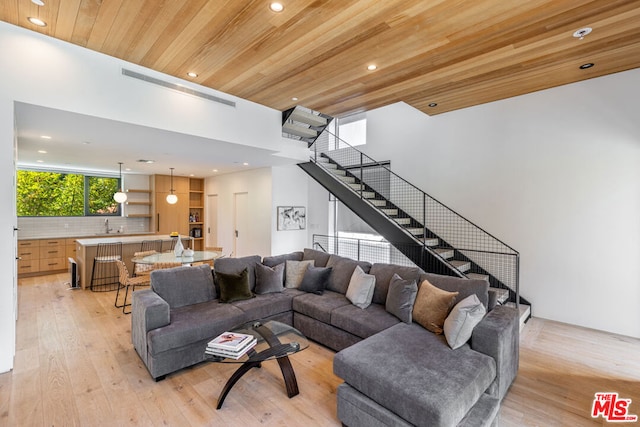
x,y
294,272
432,306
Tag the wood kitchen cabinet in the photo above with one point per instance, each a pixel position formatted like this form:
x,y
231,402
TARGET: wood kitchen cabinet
x,y
42,256
169,218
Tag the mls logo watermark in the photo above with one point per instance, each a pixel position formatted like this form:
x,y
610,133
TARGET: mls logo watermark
x,y
612,408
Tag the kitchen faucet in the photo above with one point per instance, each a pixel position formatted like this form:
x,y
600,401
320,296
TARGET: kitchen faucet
x,y
107,230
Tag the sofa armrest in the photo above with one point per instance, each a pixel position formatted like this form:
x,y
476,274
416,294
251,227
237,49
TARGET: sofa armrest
x,y
148,312
498,335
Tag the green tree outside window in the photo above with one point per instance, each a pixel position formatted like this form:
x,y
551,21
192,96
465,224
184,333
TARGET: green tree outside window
x,y
65,194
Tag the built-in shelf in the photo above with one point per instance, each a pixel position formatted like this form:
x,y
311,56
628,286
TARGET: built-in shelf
x,y
136,190
139,216
139,203
196,209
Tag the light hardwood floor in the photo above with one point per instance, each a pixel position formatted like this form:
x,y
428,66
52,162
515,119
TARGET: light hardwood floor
x,y
75,365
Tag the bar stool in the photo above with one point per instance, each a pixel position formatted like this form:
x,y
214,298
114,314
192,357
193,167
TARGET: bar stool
x,y
104,274
151,245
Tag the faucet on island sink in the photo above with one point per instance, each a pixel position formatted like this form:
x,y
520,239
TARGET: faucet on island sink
x,y
107,230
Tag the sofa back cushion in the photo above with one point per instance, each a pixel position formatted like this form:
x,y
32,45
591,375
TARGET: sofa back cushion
x,y
341,271
236,265
464,287
272,261
384,273
319,258
182,286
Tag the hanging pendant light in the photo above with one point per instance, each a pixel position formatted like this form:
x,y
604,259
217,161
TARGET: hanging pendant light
x,y
119,195
172,199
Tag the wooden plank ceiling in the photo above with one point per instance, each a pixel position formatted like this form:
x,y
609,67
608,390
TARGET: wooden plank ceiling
x,y
455,53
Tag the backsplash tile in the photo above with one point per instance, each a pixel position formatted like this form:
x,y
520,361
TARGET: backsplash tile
x,y
46,227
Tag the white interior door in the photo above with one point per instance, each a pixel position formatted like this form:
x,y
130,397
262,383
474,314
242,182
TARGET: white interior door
x,y
240,214
211,233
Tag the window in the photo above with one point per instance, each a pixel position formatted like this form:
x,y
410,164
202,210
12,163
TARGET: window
x,y
45,193
353,129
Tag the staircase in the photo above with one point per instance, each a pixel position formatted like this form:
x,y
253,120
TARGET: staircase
x,y
303,124
428,233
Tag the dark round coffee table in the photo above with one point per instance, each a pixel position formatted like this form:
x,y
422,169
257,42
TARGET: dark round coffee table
x,y
276,340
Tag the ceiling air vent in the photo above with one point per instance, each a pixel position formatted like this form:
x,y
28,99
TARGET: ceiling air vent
x,y
177,87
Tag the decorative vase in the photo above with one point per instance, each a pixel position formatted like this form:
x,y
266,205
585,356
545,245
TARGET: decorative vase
x,y
179,248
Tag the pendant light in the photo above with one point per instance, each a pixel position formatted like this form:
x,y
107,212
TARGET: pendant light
x,y
120,196
172,199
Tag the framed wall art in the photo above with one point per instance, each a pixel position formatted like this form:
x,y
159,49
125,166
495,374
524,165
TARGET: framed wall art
x,y
292,218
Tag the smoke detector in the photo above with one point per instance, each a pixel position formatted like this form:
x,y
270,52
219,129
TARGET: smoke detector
x,y
582,32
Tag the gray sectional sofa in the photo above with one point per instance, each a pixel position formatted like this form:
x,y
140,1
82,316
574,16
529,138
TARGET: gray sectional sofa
x,y
395,372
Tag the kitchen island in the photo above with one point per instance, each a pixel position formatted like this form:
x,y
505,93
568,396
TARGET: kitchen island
x,y
86,250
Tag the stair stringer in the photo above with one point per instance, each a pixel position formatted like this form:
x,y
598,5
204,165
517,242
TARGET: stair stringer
x,y
377,220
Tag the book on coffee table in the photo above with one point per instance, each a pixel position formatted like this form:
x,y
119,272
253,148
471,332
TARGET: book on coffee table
x,y
232,354
231,341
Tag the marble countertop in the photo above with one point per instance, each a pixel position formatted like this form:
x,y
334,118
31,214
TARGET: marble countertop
x,y
112,238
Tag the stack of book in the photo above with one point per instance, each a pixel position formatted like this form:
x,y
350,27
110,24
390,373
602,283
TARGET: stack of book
x,y
231,345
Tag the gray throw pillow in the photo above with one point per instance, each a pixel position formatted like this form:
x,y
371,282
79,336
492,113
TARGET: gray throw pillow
x,y
234,287
315,280
269,279
294,272
361,286
401,297
464,316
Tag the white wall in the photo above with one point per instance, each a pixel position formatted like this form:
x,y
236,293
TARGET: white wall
x,y
48,72
555,174
289,188
257,184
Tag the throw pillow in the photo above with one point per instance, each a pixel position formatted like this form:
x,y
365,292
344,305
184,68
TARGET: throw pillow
x,y
234,287
294,272
459,324
361,286
432,306
269,279
401,297
315,280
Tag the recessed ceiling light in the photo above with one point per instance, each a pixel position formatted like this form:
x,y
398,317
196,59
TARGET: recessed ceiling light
x,y
587,65
127,169
40,161
192,74
372,67
276,7
45,137
215,170
37,21
245,164
42,152
433,104
582,32
38,2
294,98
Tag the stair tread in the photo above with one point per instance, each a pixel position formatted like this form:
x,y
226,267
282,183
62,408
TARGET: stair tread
x,y
460,265
478,276
444,252
524,312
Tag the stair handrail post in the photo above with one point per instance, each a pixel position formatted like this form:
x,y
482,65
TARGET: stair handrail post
x,y
518,283
361,176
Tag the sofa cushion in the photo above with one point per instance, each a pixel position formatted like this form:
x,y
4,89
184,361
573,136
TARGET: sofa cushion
x,y
459,324
465,287
401,297
319,258
264,306
342,270
294,272
361,286
415,374
193,323
269,279
362,322
272,261
319,307
234,287
384,273
182,286
432,306
236,265
315,280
